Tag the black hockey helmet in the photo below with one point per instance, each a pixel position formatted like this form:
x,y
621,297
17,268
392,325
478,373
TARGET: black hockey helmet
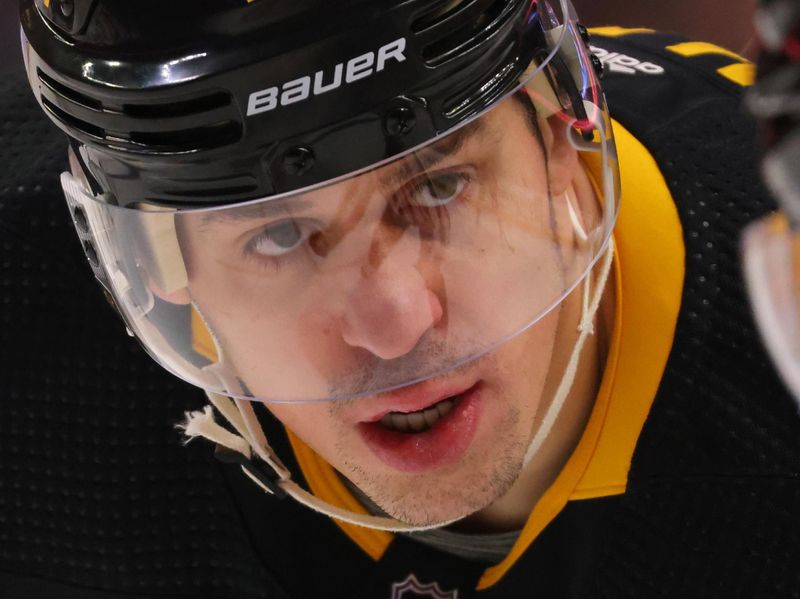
x,y
185,102
186,116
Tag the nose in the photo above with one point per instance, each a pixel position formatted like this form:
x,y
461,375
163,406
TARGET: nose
x,y
389,310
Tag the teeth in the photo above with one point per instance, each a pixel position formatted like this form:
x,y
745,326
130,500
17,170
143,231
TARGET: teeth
x,y
417,422
445,406
430,417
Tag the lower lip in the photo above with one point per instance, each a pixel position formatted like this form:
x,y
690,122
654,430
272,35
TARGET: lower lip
x,y
443,444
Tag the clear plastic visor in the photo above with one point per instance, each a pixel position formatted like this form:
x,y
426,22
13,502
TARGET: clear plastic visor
x,y
772,268
383,279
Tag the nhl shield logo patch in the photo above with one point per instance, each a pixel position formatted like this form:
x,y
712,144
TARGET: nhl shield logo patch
x,y
411,588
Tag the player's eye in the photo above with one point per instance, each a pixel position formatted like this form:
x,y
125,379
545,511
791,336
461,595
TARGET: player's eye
x,y
438,189
427,202
278,239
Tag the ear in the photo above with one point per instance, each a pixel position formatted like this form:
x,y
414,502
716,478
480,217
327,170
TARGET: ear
x,y
562,157
178,296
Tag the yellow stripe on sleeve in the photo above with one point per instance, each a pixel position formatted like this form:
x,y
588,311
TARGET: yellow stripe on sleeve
x,y
742,73
689,49
618,31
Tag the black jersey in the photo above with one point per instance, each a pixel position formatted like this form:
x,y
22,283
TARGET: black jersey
x,y
686,482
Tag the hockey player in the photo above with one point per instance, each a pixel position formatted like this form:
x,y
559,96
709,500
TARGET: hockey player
x,y
379,236
771,247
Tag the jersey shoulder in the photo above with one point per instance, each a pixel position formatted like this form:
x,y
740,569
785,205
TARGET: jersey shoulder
x,y
720,412
651,78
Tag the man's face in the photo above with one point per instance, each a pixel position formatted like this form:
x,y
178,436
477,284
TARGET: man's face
x,y
402,274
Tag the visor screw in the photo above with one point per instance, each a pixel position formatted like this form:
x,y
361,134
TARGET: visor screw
x,y
81,221
298,161
400,121
597,64
585,35
66,7
91,254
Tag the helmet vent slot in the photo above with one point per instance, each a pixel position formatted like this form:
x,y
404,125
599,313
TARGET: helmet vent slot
x,y
68,93
162,142
199,123
484,91
467,37
87,128
442,12
187,140
181,108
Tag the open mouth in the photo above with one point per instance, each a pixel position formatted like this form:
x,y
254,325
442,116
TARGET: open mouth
x,y
429,438
422,420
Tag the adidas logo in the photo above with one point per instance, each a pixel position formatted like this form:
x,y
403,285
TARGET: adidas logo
x,y
620,63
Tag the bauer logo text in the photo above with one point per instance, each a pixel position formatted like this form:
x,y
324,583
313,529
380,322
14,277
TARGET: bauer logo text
x,y
326,80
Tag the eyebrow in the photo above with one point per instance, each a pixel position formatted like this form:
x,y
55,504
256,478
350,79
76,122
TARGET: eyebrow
x,y
429,156
264,209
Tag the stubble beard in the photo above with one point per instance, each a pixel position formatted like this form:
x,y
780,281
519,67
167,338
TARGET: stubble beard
x,y
483,476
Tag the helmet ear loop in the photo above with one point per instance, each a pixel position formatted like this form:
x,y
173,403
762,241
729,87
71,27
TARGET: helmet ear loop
x,y
582,125
570,97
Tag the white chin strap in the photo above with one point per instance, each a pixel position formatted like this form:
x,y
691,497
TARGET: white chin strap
x,y
277,480
589,307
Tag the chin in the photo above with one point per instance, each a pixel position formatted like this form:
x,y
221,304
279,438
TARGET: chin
x,y
429,500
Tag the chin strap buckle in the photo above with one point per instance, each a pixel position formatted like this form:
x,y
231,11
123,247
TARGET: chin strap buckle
x,y
264,477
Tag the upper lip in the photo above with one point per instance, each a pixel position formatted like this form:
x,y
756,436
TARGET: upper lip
x,y
409,399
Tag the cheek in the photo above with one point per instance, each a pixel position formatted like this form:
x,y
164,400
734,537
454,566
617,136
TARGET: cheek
x,y
319,339
312,422
525,363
